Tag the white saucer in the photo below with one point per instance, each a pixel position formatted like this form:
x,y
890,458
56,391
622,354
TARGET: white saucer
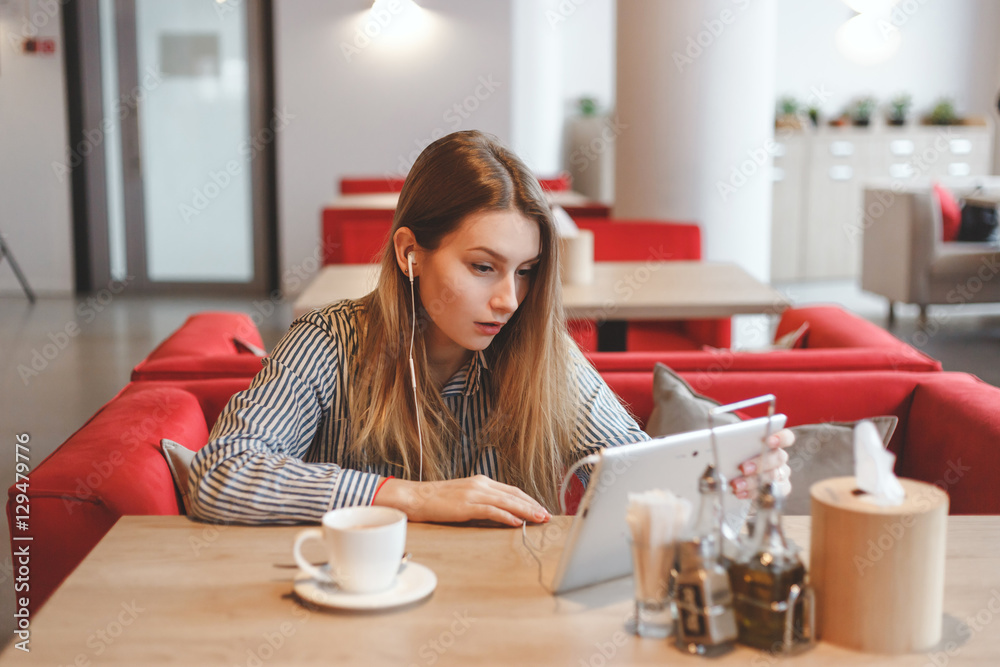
x,y
415,582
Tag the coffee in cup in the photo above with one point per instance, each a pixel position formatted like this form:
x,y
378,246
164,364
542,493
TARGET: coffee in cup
x,y
364,546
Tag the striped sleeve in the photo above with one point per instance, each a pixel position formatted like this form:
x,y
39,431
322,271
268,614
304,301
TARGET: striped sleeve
x,y
252,469
602,420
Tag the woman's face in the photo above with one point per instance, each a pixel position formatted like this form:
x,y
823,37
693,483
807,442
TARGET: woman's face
x,y
472,284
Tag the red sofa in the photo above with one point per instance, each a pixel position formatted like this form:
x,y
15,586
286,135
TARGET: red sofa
x,y
357,185
949,431
206,346
835,341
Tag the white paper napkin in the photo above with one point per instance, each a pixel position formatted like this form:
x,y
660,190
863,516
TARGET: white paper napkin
x,y
873,467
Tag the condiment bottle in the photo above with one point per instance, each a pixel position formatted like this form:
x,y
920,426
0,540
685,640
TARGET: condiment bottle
x,y
706,624
768,579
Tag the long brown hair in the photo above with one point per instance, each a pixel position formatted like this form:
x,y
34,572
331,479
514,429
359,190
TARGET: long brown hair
x,y
528,384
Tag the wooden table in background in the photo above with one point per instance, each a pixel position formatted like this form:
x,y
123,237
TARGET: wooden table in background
x,y
164,590
653,290
575,203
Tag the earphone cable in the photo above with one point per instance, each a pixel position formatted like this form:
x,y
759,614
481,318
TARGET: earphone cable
x,y
535,550
413,374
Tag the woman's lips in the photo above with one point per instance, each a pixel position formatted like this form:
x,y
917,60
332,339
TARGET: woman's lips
x,y
488,328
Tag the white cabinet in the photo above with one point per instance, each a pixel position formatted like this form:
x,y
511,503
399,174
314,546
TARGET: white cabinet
x,y
818,179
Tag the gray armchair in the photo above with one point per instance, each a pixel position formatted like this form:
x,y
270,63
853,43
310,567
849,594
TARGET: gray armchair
x,y
904,258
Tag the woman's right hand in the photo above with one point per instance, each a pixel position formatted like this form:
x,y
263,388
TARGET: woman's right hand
x,y
465,499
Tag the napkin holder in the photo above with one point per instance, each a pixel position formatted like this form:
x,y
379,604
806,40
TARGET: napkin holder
x,y
878,570
577,258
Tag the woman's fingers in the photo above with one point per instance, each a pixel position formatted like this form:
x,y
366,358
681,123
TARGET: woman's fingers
x,y
764,462
466,499
743,487
516,501
781,439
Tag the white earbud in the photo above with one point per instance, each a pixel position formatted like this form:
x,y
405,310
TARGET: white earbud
x,y
409,265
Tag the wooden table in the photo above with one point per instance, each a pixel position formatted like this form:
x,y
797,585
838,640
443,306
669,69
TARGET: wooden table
x,y
652,290
165,590
568,199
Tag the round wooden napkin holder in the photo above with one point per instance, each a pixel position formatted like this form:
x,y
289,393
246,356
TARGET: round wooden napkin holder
x,y
578,258
878,571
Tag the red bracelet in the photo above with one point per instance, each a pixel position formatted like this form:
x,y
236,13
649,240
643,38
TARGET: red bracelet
x,y
379,487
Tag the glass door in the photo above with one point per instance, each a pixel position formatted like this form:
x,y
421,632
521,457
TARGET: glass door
x,y
186,172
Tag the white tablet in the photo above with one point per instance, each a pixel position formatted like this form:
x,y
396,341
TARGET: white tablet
x,y
597,547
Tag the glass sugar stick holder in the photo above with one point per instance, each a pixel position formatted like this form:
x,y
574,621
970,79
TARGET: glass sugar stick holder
x,y
798,594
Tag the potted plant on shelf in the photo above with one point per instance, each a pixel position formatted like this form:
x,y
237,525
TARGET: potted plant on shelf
x,y
861,115
943,113
787,115
899,107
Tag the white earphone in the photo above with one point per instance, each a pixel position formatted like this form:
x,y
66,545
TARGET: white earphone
x,y
413,372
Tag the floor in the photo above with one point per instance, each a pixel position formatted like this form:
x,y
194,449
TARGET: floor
x,y
62,358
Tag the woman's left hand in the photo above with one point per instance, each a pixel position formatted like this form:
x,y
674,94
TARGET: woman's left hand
x,y
774,465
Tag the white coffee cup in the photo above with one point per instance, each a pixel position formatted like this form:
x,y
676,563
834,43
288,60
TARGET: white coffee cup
x,y
364,545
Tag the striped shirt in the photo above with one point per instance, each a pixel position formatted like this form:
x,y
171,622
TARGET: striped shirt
x,y
278,453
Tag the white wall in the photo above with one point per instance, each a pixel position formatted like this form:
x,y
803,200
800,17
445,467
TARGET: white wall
x,y
34,200
374,113
947,48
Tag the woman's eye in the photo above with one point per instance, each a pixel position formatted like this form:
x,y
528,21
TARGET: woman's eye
x,y
524,273
482,268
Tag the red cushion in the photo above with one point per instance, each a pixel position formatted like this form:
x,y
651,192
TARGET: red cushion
x,y
584,332
204,347
362,185
340,226
641,240
951,214
832,326
558,183
655,336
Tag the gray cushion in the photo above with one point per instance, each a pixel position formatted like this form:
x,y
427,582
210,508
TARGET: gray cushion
x,y
179,460
822,451
677,408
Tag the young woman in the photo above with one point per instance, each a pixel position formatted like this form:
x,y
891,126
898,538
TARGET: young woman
x,y
505,402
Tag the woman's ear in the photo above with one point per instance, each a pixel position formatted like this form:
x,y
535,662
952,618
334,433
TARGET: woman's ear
x,y
404,243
